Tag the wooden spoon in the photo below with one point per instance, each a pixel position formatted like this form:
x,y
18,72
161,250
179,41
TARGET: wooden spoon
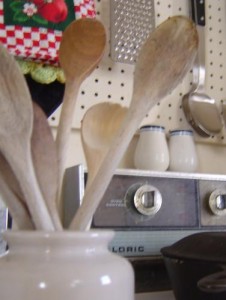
x,y
99,127
13,197
81,49
164,59
15,136
44,157
45,163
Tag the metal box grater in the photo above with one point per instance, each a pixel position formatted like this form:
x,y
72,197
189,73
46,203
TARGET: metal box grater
x,y
131,23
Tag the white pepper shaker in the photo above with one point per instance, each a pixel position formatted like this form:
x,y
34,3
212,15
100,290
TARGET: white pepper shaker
x,y
182,150
152,151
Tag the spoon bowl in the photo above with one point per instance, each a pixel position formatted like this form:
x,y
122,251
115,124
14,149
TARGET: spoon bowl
x,y
202,114
99,127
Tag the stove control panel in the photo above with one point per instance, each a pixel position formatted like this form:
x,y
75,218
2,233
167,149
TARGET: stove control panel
x,y
162,202
150,210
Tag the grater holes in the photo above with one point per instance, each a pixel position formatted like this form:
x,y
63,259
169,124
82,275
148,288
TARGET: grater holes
x,y
132,24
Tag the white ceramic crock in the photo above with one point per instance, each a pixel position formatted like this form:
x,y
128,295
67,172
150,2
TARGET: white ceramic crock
x,y
63,266
152,152
182,149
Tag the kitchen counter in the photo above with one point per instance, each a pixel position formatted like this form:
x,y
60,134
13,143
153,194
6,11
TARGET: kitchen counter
x,y
155,296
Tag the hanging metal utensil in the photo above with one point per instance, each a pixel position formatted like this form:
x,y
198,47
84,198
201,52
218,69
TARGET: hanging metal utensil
x,y
199,108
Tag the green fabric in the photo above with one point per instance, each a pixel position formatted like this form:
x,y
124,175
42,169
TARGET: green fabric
x,y
14,15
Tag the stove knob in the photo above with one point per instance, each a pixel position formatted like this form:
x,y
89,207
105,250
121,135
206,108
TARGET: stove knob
x,y
147,200
217,202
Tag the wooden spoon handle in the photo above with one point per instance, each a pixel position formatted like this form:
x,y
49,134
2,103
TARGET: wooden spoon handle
x,y
64,130
44,157
17,210
24,171
15,205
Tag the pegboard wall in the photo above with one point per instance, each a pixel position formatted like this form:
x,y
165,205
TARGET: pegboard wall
x,y
113,81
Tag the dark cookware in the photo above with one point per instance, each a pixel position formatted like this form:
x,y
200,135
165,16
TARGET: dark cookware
x,y
196,265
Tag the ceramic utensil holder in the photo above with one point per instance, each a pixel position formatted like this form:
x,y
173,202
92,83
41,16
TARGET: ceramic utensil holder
x,y
63,265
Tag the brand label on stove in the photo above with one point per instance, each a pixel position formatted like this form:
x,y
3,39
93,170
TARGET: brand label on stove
x,y
127,249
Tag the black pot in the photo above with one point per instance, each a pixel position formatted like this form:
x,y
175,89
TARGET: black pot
x,y
196,265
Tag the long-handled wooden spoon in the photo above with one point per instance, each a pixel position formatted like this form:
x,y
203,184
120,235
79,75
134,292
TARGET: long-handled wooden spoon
x,y
12,196
15,136
44,157
45,163
99,127
81,49
164,59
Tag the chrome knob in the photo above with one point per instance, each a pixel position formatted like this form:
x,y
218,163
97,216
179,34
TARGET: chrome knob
x,y
217,202
147,200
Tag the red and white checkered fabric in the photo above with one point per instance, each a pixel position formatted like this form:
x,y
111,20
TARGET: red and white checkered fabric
x,y
36,43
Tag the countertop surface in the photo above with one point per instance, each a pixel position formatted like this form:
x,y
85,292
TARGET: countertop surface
x,y
155,296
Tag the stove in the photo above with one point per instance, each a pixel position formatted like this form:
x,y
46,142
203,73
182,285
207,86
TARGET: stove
x,y
150,210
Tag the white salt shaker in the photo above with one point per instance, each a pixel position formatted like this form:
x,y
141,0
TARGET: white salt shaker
x,y
182,150
152,151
